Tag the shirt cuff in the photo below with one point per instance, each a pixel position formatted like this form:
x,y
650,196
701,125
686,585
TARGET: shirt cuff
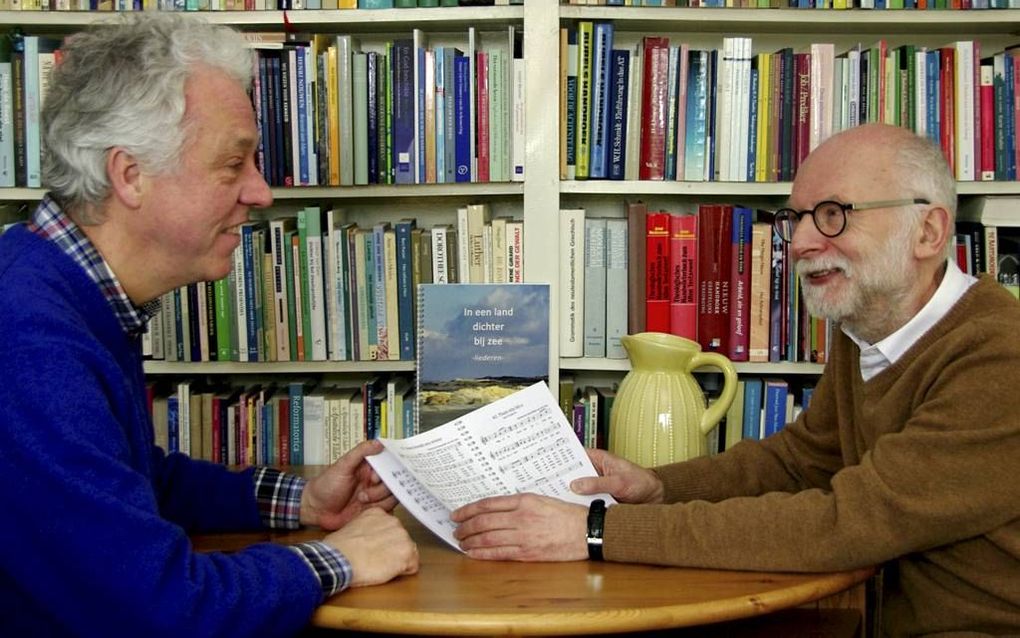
x,y
329,565
279,498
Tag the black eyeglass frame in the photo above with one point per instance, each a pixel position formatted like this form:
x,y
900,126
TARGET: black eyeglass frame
x,y
789,217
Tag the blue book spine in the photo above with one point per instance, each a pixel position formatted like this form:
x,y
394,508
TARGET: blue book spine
x,y
248,247
193,322
752,128
279,159
751,429
405,292
264,120
302,115
440,123
620,65
173,425
932,98
603,48
403,111
296,393
450,110
775,406
179,325
462,105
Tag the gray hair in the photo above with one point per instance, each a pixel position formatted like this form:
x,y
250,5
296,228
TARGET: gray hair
x,y
921,168
121,84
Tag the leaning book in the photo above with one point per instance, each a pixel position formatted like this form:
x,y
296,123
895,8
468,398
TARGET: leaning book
x,y
520,443
477,343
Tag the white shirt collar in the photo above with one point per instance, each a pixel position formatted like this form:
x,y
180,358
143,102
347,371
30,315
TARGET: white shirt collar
x,y
877,357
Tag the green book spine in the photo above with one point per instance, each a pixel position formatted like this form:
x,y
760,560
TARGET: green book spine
x,y
304,232
405,4
221,291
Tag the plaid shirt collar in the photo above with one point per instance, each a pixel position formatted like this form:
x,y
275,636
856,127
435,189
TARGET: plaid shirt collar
x,y
50,222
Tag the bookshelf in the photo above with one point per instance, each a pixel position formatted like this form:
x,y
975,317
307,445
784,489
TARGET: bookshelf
x,y
539,198
769,31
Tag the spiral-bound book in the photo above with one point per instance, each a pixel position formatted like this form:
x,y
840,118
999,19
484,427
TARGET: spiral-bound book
x,y
477,343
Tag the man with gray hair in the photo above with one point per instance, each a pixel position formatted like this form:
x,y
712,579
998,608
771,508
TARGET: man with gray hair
x,y
150,140
907,455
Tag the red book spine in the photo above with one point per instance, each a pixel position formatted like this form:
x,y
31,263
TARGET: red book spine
x,y
714,224
283,429
654,109
482,127
987,123
657,272
683,270
947,90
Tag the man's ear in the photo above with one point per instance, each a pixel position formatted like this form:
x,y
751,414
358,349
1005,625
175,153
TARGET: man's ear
x,y
936,228
125,175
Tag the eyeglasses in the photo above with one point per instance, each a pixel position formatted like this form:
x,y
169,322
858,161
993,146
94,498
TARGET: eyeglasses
x,y
829,216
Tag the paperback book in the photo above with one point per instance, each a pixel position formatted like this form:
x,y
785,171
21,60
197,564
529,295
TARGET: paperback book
x,y
477,343
520,443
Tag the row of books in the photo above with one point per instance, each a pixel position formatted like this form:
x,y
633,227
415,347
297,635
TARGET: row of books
x,y
666,111
314,287
718,276
331,114
235,5
807,4
291,423
398,112
988,239
761,407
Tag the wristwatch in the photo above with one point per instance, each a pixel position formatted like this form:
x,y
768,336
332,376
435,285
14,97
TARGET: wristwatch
x,y
596,522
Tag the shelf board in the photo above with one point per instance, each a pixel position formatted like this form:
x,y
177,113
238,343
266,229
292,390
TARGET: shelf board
x,y
763,189
275,367
623,365
586,187
802,21
415,191
395,191
321,21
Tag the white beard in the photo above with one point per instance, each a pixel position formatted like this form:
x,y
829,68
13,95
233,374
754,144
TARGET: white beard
x,y
873,288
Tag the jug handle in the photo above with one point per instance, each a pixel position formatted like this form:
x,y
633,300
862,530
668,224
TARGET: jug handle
x,y
717,410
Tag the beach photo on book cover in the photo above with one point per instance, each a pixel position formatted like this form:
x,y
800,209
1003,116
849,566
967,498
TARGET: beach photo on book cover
x,y
478,343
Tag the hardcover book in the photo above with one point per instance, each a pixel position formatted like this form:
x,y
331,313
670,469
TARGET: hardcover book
x,y
477,343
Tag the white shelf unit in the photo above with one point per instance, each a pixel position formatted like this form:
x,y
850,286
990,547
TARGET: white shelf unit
x,y
539,198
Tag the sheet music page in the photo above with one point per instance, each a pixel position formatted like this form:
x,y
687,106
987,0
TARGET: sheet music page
x,y
521,443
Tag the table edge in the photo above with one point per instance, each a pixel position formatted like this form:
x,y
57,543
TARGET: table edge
x,y
585,622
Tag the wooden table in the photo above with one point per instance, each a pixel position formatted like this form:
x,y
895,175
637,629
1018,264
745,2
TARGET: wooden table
x,y
453,595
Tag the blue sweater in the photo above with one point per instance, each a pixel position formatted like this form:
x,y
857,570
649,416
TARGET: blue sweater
x,y
93,540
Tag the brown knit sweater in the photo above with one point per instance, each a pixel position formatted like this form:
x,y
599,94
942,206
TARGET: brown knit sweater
x,y
917,468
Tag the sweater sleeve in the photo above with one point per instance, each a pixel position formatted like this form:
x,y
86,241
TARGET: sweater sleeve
x,y
938,437
804,454
85,539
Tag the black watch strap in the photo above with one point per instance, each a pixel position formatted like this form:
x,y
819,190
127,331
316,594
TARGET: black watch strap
x,y
596,523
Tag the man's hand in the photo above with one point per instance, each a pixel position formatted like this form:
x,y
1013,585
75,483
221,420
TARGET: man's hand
x,y
377,546
525,527
627,482
345,489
